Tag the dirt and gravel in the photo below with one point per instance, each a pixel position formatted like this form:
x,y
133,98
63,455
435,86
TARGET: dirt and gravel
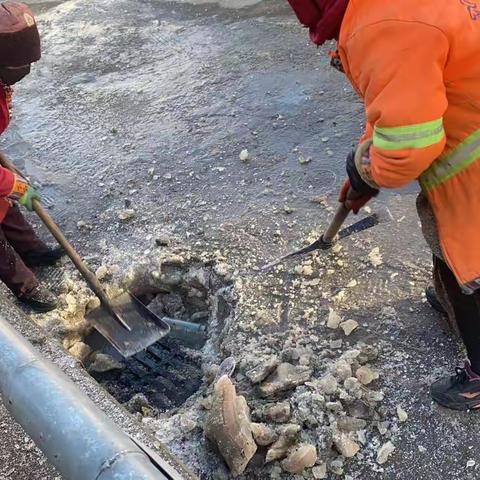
x,y
161,130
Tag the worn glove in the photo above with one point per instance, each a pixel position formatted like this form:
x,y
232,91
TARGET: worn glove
x,y
357,202
24,193
361,192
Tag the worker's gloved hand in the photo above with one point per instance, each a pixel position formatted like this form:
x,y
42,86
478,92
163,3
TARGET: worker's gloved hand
x,y
24,193
355,192
353,200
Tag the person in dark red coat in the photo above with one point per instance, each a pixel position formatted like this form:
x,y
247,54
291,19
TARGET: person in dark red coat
x,y
20,248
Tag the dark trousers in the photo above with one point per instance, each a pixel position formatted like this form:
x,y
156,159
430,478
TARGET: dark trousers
x,y
16,239
463,310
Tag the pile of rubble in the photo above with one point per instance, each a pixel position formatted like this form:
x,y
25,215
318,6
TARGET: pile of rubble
x,y
309,401
302,421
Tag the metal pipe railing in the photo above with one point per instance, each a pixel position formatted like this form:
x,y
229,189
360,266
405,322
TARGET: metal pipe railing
x,y
75,436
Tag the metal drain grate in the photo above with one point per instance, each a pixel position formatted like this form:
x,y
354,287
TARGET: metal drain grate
x,y
164,373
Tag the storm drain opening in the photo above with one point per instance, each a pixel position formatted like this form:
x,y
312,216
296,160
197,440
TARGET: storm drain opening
x,y
196,301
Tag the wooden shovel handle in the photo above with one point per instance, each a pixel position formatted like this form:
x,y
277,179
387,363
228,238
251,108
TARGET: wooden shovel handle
x,y
339,219
45,217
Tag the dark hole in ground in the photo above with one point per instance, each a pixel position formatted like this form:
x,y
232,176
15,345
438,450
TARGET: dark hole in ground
x,y
167,373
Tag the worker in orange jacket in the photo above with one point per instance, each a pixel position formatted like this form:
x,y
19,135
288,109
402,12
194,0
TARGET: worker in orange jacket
x,y
415,66
20,248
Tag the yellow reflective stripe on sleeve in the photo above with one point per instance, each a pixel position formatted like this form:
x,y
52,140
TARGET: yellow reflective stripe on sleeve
x,y
452,163
420,135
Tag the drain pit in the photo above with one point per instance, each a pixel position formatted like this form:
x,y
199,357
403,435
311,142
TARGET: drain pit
x,y
195,301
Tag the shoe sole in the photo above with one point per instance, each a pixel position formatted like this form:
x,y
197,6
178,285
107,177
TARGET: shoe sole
x,y
460,406
39,309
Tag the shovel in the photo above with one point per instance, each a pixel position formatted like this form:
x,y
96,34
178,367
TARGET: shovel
x,y
124,321
332,234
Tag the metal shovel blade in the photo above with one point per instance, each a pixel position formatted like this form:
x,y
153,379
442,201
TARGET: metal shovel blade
x,y
145,327
382,216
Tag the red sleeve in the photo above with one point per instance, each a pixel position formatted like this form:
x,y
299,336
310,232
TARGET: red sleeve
x,y
5,98
7,180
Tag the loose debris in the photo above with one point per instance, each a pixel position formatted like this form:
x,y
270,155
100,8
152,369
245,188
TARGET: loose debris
x,y
228,426
334,319
349,326
126,214
285,377
309,390
384,452
300,458
104,363
402,414
244,155
375,257
80,351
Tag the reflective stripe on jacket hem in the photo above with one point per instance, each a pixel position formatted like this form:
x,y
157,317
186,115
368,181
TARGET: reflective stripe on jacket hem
x,y
420,135
471,287
452,163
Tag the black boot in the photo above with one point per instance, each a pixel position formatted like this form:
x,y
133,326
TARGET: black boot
x,y
39,299
433,300
458,392
43,258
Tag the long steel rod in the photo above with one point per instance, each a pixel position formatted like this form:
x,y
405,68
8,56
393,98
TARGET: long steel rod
x,y
75,436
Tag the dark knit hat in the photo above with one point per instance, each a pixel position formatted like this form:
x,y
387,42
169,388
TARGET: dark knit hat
x,y
19,38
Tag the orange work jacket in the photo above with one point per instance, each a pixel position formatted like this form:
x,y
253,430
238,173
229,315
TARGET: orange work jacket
x,y
416,65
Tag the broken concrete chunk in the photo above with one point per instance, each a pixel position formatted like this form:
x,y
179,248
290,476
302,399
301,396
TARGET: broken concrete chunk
x,y
138,404
320,472
80,351
349,326
285,377
328,384
126,214
384,452
102,272
334,406
343,370
366,375
383,427
374,396
261,371
104,363
244,155
334,319
402,414
288,436
263,434
350,355
163,240
304,456
336,344
359,409
307,271
276,412
353,386
368,353
228,426
351,424
375,257
345,445
336,466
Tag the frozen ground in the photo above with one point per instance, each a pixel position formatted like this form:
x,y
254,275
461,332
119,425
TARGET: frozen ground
x,y
146,105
